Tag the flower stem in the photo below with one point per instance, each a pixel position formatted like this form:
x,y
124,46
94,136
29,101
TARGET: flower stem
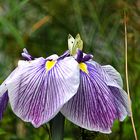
x,y
57,127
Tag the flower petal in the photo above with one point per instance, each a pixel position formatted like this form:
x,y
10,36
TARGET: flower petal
x,y
17,71
3,87
114,74
26,55
53,57
122,102
37,95
110,75
3,103
95,106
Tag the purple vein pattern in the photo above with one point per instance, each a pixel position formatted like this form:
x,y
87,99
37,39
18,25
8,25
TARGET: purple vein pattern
x,y
3,103
97,103
37,95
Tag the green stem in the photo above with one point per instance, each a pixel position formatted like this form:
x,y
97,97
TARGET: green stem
x,y
57,127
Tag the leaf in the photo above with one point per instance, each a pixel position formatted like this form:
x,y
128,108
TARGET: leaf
x,y
2,131
13,31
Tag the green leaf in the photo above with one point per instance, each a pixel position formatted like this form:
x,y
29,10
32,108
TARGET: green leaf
x,y
12,30
2,131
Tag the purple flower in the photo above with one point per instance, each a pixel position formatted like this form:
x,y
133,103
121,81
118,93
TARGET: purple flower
x,y
86,93
100,98
37,89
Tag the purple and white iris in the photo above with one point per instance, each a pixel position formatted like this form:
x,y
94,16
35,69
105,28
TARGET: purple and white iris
x,y
86,93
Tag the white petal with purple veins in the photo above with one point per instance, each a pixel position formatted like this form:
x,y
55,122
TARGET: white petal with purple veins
x,y
3,87
109,74
17,71
113,73
96,105
37,95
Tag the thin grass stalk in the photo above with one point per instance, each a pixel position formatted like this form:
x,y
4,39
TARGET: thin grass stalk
x,y
126,76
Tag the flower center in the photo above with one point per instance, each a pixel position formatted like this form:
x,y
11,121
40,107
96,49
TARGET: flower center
x,y
50,65
83,67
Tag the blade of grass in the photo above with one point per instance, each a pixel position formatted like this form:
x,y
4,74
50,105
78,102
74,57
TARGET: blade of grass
x,y
12,30
16,8
126,75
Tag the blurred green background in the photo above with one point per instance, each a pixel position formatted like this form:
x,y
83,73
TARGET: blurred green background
x,y
42,26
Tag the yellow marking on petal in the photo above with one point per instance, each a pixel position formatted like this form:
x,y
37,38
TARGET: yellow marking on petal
x,y
50,65
83,67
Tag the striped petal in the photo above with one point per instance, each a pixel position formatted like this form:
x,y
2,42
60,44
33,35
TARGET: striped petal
x,y
113,74
3,103
109,74
17,71
42,87
3,87
96,105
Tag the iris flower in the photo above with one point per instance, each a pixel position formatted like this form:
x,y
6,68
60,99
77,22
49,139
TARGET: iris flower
x,y
86,93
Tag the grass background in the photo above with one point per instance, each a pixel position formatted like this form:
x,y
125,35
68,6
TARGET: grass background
x,y
43,26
